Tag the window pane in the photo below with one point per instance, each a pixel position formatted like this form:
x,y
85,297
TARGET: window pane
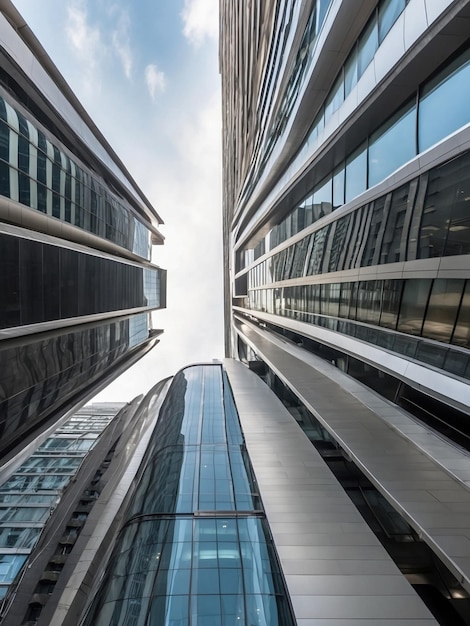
x,y
350,72
442,309
395,237
389,10
437,209
458,238
374,236
413,305
448,92
356,173
392,145
338,188
367,46
335,98
322,197
390,303
461,335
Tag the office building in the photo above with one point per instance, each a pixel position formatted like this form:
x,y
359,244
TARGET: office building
x,y
346,145
30,495
76,233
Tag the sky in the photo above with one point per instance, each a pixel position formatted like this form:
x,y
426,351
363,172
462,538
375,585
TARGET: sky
x,y
147,73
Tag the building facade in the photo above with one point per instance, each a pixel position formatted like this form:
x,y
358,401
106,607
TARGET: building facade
x,y
29,497
76,235
346,228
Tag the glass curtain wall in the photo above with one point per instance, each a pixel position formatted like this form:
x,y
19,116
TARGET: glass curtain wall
x,y
195,547
42,176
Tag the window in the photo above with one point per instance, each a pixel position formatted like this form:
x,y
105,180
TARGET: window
x,y
356,173
389,10
461,336
367,45
448,93
392,145
413,305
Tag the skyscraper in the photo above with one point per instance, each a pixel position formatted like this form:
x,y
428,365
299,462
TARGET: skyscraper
x,y
77,284
347,270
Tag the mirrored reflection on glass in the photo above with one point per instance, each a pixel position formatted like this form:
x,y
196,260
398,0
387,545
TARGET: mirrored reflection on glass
x,y
194,565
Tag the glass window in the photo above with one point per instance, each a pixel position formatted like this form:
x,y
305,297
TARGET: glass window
x,y
9,281
339,241
448,92
413,305
442,309
367,45
299,258
317,252
350,72
10,565
369,298
331,298
374,235
391,296
392,145
356,238
345,300
356,173
396,235
389,10
322,197
458,238
461,336
335,98
437,209
338,187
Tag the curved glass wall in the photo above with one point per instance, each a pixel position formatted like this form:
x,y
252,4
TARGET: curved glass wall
x,y
385,150
426,218
404,309
41,283
38,377
36,173
298,73
379,24
195,548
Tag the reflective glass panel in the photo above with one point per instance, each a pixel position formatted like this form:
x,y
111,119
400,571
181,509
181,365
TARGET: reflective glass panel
x,y
392,145
443,307
413,305
356,173
448,92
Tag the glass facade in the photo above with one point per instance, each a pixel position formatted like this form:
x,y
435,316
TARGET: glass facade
x,y
42,283
29,497
425,308
195,547
423,219
39,376
39,174
388,148
359,59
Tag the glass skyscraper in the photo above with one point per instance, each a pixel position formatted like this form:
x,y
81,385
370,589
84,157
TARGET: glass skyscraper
x,y
76,232
346,147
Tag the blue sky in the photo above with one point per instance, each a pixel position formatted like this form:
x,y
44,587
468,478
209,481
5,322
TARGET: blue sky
x,y
147,72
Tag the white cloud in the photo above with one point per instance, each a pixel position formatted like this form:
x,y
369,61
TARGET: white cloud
x,y
155,80
85,39
122,44
200,20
